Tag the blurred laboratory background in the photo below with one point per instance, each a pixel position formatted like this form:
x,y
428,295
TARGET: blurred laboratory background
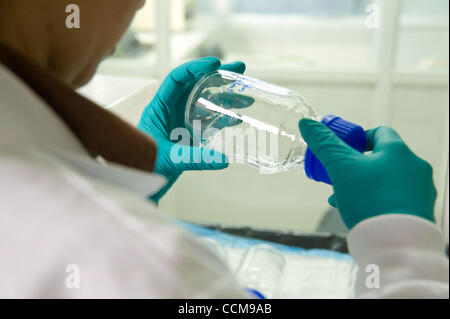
x,y
374,63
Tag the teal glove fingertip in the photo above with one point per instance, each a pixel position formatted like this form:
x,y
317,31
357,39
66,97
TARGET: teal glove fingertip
x,y
309,128
237,67
193,70
204,64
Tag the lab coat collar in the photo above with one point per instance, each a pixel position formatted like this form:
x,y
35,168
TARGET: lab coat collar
x,y
101,132
73,128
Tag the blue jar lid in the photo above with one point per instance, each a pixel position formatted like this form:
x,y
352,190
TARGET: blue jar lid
x,y
350,133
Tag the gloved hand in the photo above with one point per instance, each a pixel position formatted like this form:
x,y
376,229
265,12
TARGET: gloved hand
x,y
390,180
166,112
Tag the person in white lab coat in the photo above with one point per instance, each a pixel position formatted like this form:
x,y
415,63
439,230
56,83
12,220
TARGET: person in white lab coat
x,y
75,221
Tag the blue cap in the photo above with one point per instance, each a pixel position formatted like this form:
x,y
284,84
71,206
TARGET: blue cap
x,y
350,133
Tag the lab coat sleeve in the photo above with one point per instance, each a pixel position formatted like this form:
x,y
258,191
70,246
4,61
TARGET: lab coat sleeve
x,y
399,256
60,238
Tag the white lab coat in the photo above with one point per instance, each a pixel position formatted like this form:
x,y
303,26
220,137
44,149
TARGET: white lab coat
x,y
72,227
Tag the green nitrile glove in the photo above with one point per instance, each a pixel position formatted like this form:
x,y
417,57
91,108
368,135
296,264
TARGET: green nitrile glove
x,y
389,180
166,112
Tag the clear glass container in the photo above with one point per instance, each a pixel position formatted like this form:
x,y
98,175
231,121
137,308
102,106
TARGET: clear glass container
x,y
248,120
261,268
